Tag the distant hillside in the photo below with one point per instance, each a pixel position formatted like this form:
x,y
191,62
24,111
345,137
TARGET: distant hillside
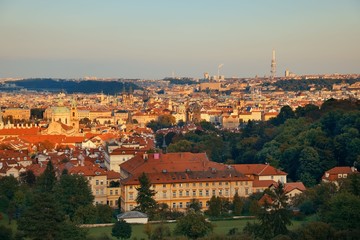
x,y
70,86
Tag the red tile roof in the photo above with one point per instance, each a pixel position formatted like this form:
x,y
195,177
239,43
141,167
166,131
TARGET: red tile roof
x,y
258,169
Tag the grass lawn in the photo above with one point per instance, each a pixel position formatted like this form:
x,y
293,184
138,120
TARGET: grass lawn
x,y
221,227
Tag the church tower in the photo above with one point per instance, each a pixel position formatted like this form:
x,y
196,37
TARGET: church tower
x,y
2,125
74,117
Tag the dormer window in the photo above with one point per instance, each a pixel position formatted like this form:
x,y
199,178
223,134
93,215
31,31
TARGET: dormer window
x,y
344,175
339,175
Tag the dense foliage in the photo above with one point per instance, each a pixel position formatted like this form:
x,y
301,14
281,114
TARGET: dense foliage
x,y
88,86
306,84
50,208
304,143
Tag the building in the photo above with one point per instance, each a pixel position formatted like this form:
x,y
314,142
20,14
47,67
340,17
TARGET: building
x,y
178,178
336,174
17,113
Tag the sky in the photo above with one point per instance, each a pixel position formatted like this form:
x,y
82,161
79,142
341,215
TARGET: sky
x,y
158,38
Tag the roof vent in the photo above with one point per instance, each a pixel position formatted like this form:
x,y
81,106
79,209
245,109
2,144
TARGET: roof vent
x,y
164,171
97,173
187,170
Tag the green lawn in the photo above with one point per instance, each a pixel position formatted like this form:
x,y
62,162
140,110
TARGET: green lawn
x,y
221,227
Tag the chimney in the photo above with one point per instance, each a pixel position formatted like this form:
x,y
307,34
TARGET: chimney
x,y
156,155
145,156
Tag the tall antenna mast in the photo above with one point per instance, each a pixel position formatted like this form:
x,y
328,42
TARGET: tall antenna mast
x,y
273,65
220,66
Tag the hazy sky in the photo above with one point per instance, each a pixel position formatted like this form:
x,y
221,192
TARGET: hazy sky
x,y
152,39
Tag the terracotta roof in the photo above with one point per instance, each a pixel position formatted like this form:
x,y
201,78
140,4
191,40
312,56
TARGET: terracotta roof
x,y
189,177
294,185
263,183
258,169
333,174
171,162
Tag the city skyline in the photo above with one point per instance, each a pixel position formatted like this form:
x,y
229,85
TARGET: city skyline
x,y
154,39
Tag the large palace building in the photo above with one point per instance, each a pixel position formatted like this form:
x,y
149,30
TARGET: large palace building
x,y
177,178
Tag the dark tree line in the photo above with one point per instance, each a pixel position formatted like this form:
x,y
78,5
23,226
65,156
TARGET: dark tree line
x,y
88,86
49,208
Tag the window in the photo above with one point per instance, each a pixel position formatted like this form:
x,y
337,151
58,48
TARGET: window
x,y
174,205
201,204
213,183
200,193
344,175
180,204
131,187
207,184
174,194
174,185
194,193
97,191
220,183
200,184
226,183
131,207
164,185
111,192
246,191
180,193
227,192
131,196
187,193
194,184
116,202
187,184
246,183
236,183
207,193
116,192
220,192
180,184
111,203
272,177
187,204
164,194
214,192
97,182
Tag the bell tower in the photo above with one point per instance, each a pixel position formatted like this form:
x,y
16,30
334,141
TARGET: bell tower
x,y
74,117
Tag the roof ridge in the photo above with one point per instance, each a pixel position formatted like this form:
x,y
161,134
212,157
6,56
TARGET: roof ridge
x,y
266,165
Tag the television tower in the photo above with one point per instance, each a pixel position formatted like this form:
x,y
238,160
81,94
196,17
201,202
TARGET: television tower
x,y
273,65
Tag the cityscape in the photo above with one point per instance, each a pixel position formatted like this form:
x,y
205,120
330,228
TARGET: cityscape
x,y
179,120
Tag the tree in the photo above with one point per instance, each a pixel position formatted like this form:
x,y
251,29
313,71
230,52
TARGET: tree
x,y
42,219
8,186
145,198
121,230
194,205
73,191
193,225
237,204
104,213
28,178
342,211
273,217
47,180
85,214
5,233
214,209
160,232
180,146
